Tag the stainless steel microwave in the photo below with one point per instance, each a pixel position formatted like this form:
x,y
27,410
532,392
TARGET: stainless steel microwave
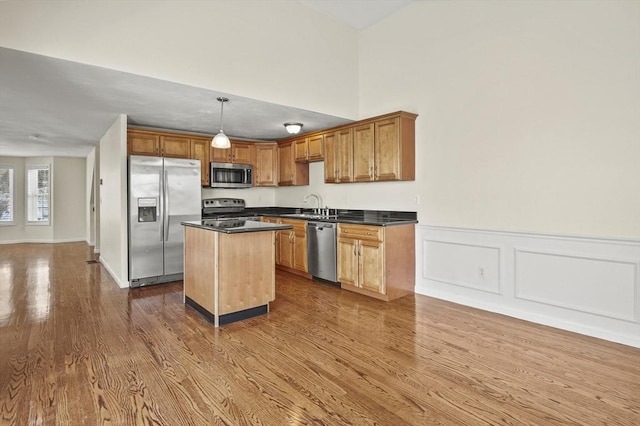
x,y
231,175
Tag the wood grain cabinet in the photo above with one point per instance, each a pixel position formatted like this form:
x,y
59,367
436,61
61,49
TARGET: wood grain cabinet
x,y
291,173
200,151
240,152
143,143
291,245
175,146
378,149
265,171
309,149
377,261
338,156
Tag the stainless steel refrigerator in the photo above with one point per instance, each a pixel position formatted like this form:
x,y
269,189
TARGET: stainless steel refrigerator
x,y
162,193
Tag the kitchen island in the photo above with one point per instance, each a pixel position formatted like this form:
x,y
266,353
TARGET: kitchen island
x,y
229,268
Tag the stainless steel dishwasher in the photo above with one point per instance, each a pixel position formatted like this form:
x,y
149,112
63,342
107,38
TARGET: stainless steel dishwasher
x,y
321,250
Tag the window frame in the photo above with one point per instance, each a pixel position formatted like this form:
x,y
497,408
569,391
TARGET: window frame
x,y
29,167
12,222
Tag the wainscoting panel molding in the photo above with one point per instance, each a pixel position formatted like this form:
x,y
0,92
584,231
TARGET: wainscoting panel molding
x,y
475,266
586,285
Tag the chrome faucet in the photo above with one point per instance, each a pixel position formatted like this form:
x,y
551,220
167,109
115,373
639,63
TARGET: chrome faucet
x,y
318,200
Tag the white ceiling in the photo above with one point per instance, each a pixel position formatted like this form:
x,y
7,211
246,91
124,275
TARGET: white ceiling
x,y
54,107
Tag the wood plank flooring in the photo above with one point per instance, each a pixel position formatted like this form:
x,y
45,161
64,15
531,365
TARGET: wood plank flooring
x,y
77,350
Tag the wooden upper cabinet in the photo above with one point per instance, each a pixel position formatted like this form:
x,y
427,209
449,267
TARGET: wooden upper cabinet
x,y
175,146
289,172
266,164
315,150
309,149
300,149
142,143
344,150
240,152
384,149
330,158
200,151
363,153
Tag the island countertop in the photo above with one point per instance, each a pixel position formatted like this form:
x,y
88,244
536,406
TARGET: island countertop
x,y
234,226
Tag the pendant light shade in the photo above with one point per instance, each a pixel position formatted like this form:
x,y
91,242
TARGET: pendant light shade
x,y
221,140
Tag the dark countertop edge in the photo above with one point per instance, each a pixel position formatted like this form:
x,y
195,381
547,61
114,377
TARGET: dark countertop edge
x,y
240,230
354,221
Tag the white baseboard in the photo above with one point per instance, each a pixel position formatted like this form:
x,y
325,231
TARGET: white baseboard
x,y
43,241
113,274
585,285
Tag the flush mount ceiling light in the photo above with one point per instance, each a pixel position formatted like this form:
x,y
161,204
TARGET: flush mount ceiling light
x,y
221,140
293,128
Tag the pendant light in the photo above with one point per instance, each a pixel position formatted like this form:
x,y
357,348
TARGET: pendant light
x,y
221,140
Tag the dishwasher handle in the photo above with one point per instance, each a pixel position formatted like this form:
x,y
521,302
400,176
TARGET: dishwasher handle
x,y
319,226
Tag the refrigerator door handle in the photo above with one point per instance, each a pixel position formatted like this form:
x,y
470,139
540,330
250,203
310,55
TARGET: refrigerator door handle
x,y
166,207
161,213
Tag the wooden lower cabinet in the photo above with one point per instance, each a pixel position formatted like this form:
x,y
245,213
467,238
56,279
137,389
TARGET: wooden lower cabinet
x,y
291,246
377,261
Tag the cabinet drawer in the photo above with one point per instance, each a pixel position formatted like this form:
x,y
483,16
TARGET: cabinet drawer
x,y
361,232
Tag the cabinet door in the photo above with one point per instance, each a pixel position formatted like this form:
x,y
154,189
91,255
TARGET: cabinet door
x,y
175,146
301,150
142,143
242,152
371,266
266,167
285,163
315,148
344,148
300,248
348,261
285,239
363,153
200,151
387,149
330,161
219,155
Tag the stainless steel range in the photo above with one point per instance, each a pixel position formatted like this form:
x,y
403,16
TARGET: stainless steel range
x,y
226,208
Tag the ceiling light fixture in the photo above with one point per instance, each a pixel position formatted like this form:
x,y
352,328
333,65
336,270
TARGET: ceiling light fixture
x,y
293,128
221,140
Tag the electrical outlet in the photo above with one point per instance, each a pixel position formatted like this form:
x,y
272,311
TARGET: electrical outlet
x,y
416,199
481,272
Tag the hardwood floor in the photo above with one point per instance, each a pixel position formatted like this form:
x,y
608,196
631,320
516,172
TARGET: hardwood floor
x,y
77,350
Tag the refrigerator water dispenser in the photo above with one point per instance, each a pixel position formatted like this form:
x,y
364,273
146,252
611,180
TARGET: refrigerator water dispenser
x,y
147,209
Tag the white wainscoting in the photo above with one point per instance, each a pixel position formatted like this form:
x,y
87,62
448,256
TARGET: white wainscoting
x,y
586,285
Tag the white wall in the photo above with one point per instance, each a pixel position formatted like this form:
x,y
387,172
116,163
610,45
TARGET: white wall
x,y
278,51
69,179
529,112
66,219
113,201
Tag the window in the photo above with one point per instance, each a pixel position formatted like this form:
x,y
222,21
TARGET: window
x,y
7,194
38,199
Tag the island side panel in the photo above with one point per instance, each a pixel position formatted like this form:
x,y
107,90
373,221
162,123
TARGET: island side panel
x,y
246,271
400,262
199,267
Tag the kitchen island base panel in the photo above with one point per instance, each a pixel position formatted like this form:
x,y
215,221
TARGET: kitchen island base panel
x,y
227,318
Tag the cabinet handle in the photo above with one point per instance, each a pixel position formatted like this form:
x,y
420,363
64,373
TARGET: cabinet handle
x,y
371,171
355,245
368,233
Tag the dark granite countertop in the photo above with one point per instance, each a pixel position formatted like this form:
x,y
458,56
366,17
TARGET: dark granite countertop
x,y
359,217
235,226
